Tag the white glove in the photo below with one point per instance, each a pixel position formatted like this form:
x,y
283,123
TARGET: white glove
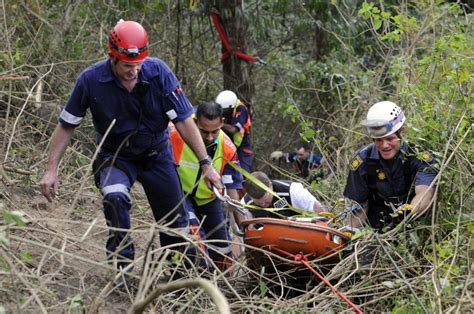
x,y
276,155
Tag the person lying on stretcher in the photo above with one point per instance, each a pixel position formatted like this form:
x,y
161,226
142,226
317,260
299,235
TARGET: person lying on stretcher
x,y
291,195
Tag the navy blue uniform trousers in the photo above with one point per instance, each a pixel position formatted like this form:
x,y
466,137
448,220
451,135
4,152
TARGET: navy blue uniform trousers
x,y
163,190
213,226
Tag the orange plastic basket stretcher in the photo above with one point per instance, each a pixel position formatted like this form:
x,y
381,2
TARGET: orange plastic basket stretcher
x,y
297,241
315,239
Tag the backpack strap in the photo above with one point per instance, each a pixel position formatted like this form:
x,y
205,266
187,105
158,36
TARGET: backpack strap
x,y
408,174
371,166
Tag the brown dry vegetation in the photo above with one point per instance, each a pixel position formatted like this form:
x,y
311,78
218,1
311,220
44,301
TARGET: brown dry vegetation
x,y
56,262
53,259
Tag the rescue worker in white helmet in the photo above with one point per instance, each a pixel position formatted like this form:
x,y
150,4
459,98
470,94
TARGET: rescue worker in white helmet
x,y
237,125
389,178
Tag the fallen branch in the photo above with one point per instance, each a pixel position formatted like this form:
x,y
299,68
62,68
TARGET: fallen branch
x,y
217,297
13,78
4,176
16,170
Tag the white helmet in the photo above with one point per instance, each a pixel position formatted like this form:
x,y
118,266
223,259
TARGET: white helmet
x,y
227,99
383,119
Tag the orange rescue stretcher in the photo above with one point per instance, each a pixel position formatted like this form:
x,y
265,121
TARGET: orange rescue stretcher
x,y
312,237
305,241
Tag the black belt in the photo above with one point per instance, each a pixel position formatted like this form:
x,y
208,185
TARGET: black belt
x,y
129,151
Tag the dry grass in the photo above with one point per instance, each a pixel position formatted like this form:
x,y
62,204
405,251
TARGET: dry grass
x,y
56,262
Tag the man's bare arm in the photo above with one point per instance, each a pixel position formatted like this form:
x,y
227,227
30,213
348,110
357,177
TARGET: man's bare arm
x,y
239,217
230,129
59,143
423,196
358,219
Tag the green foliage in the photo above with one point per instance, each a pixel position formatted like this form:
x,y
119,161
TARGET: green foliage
x,y
405,305
395,25
3,263
4,237
14,218
76,306
263,288
176,258
327,63
10,218
26,256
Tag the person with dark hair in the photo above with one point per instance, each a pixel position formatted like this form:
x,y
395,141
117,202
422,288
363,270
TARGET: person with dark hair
x,y
132,97
237,123
206,210
306,163
290,195
389,178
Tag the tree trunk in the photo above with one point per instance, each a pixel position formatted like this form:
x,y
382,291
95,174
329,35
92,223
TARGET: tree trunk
x,y
236,71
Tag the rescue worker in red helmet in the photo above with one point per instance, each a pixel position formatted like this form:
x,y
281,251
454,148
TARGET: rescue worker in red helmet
x,y
132,97
389,178
237,126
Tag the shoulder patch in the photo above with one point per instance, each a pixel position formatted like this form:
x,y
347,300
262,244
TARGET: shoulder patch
x,y
281,203
356,162
425,156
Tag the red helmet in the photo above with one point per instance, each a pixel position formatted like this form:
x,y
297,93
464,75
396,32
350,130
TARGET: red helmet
x,y
128,42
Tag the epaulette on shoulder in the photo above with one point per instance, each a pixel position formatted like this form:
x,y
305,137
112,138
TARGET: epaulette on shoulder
x,y
360,156
425,156
420,153
356,161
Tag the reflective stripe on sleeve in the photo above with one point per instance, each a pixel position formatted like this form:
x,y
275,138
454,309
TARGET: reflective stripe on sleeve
x,y
171,114
227,179
69,118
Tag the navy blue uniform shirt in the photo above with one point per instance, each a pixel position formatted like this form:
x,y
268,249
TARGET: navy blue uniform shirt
x,y
100,91
390,177
238,120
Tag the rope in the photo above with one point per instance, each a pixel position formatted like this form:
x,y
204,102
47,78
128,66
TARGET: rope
x,y
303,259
